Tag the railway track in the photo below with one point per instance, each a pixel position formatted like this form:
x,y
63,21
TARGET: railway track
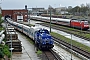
x,y
51,55
65,29
73,48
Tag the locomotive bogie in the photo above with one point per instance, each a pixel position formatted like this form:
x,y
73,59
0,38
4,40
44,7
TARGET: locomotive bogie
x,y
48,46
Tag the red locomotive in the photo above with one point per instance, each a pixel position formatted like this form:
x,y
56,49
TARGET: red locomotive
x,y
82,24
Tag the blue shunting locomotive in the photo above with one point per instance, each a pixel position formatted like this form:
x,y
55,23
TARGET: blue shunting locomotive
x,y
43,39
41,36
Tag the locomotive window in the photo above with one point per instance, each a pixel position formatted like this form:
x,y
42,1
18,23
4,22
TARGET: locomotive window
x,y
44,31
47,31
86,22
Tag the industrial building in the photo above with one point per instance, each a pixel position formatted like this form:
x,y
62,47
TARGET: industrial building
x,y
18,15
37,11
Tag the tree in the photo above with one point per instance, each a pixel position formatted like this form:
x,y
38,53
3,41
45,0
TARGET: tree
x,y
88,6
0,20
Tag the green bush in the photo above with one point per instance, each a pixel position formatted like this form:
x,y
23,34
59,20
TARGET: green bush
x,y
6,51
1,54
1,21
39,52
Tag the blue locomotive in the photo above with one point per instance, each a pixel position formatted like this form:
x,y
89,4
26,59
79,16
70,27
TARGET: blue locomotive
x,y
41,36
43,39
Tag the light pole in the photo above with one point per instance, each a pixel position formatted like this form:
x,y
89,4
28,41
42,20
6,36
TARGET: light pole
x,y
29,17
50,18
10,38
29,21
81,26
71,39
28,14
11,46
71,46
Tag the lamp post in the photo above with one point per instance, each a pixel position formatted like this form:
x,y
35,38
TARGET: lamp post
x,y
28,14
29,17
71,39
11,45
81,27
71,46
50,18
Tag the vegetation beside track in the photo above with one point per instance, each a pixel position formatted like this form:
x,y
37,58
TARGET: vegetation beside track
x,y
1,21
39,52
4,50
82,46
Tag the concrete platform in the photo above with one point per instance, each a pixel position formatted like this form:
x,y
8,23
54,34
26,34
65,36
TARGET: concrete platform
x,y
28,51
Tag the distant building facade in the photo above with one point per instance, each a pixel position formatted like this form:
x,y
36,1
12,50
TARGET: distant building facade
x,y
0,10
37,11
61,10
17,15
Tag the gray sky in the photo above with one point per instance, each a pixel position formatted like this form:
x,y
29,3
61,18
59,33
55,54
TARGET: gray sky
x,y
17,4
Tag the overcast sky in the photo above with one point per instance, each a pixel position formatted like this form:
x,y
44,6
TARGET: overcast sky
x,y
18,4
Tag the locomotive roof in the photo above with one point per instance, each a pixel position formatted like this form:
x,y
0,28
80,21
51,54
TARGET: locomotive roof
x,y
36,28
44,35
48,18
58,19
78,19
63,20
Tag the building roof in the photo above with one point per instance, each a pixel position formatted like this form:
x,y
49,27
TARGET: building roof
x,y
13,9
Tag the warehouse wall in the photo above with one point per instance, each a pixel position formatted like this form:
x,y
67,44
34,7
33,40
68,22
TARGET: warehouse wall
x,y
15,13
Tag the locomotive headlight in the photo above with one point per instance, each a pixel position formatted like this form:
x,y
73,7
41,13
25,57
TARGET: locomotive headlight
x,y
51,41
86,25
43,42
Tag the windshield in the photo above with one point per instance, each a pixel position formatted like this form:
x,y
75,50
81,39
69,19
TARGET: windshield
x,y
44,31
86,22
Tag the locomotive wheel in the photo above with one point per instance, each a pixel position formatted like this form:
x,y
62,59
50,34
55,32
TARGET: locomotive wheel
x,y
36,44
39,46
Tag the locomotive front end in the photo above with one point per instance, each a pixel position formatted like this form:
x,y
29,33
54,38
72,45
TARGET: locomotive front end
x,y
86,25
47,41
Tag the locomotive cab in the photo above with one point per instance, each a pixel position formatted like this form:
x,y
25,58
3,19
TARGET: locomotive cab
x,y
86,25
